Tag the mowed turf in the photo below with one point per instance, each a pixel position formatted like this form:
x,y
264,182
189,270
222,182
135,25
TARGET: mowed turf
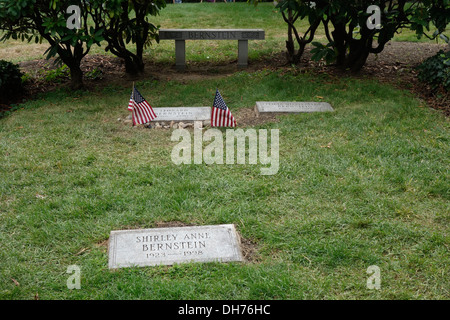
x,y
364,185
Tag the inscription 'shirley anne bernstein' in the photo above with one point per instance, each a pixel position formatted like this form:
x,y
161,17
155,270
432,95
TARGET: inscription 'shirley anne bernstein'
x,y
196,240
166,246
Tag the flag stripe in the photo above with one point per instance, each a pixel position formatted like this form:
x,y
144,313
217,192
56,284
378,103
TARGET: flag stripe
x,y
139,113
142,111
221,116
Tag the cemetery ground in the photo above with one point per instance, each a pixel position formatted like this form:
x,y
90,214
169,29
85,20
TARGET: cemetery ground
x,y
364,185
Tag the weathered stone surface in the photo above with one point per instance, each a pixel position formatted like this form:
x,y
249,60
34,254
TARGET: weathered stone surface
x,y
182,113
211,34
167,246
198,124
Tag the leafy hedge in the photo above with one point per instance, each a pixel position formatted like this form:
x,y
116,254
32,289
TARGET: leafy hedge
x,y
10,81
436,71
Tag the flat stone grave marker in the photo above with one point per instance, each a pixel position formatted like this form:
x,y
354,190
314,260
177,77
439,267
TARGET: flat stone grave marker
x,y
291,107
182,114
167,246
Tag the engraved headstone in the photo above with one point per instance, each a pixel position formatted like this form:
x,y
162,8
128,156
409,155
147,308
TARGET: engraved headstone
x,y
291,107
182,114
167,246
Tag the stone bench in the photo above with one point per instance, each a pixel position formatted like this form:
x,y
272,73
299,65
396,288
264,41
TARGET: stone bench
x,y
181,35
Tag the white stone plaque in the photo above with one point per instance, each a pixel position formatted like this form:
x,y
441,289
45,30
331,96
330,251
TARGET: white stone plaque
x,y
291,107
167,246
182,113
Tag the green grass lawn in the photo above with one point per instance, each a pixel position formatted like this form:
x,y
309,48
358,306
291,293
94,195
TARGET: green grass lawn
x,y
364,185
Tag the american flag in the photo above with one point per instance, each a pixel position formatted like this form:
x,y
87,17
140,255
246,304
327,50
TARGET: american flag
x,y
221,115
142,111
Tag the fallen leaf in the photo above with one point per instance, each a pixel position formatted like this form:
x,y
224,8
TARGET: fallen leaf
x,y
327,146
15,282
319,97
36,296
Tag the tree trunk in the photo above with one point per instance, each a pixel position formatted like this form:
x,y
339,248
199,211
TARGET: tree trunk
x,y
351,54
76,77
339,35
290,47
73,61
133,65
356,55
292,56
356,62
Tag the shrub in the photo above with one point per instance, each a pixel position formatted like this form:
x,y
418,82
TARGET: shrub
x,y
436,71
95,74
10,81
57,75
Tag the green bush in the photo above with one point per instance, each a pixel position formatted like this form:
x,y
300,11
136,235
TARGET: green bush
x,y
436,71
57,75
10,81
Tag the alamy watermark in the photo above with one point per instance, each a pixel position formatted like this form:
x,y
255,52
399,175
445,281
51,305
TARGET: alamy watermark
x,y
374,281
74,21
374,21
234,145
74,281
